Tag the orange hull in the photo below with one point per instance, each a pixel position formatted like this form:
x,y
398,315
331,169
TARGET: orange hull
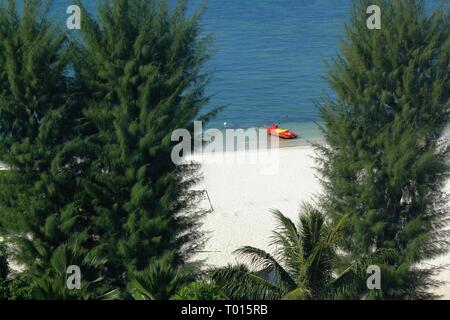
x,y
282,133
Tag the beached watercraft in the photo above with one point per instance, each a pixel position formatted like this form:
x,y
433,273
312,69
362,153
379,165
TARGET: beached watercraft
x,y
282,133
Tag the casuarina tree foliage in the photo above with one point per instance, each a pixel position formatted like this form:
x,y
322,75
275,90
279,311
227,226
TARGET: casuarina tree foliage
x,y
37,116
85,135
384,162
140,70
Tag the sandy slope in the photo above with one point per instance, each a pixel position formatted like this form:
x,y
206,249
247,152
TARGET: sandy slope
x,y
242,196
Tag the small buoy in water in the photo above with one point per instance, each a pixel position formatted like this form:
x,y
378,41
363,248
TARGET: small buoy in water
x,y
225,124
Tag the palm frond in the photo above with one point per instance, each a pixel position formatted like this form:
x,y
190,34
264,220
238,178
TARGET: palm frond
x,y
287,244
311,227
262,260
110,295
51,283
298,294
238,282
159,281
317,270
335,231
352,279
287,228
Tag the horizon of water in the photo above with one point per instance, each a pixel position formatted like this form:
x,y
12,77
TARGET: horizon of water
x,y
269,58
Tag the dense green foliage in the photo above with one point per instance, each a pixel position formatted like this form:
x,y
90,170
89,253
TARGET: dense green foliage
x,y
139,70
384,164
19,287
159,281
305,265
85,131
51,283
4,266
37,206
200,290
4,271
12,286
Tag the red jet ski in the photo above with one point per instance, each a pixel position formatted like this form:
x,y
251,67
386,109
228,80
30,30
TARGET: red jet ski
x,y
282,133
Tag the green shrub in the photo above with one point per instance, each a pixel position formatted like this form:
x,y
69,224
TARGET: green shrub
x,y
199,291
17,288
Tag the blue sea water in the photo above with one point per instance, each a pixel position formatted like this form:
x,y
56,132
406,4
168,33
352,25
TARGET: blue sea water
x,y
268,65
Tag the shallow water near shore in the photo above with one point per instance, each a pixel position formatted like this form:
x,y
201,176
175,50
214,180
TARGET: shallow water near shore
x,y
269,59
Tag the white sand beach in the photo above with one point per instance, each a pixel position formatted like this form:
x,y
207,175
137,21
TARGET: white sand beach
x,y
242,196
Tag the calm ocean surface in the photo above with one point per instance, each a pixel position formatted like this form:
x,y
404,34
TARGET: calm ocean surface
x,y
268,65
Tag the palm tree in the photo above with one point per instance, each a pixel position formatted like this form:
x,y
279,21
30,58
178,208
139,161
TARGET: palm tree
x,y
160,281
51,283
305,264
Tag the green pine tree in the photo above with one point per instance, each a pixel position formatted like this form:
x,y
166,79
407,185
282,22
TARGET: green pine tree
x,y
39,209
140,69
384,162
